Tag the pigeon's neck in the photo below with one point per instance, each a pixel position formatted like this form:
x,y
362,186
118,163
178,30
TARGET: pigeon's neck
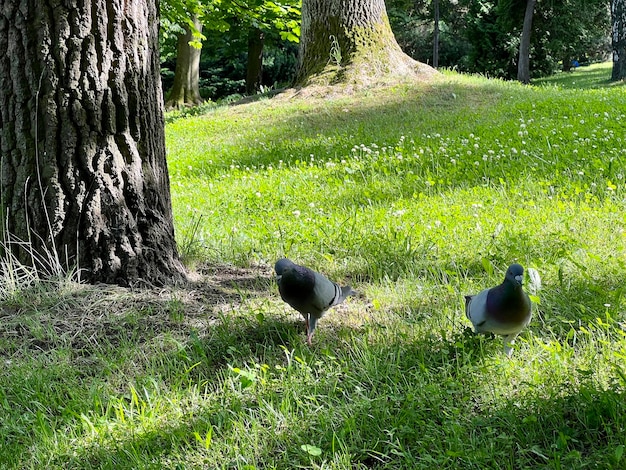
x,y
299,278
508,303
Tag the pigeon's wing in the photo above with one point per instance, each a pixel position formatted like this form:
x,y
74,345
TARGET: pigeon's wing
x,y
325,293
476,311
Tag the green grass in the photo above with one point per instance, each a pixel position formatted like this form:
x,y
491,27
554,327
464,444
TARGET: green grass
x,y
584,78
417,195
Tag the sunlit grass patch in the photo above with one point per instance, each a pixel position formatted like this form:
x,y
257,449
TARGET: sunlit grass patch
x,y
416,195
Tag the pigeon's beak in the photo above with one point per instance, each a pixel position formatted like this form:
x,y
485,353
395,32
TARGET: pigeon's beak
x,y
519,279
278,277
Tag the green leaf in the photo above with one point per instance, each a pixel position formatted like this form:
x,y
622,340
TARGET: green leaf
x,y
311,450
487,265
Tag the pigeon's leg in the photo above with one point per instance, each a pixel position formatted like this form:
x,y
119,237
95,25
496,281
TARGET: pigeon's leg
x,y
306,323
508,343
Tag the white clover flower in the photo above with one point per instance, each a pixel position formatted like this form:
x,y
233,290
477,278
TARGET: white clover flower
x,y
296,213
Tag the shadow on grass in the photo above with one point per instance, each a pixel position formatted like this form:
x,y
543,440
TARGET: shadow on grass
x,y
402,404
389,395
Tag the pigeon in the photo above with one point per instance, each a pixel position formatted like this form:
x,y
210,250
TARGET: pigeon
x,y
308,292
504,310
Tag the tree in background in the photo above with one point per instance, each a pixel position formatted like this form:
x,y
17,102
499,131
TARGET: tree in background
x,y
618,35
84,179
186,88
415,25
568,30
562,30
523,62
350,41
186,18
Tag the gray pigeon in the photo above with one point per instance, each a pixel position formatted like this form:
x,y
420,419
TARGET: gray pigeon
x,y
308,292
504,310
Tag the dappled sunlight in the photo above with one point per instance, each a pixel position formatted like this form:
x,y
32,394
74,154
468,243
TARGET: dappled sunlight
x,y
416,196
582,78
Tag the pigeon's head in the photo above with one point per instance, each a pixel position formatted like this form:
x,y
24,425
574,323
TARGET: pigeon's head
x,y
515,274
280,267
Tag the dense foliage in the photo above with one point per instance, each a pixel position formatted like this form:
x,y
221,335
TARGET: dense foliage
x,y
478,36
482,36
224,41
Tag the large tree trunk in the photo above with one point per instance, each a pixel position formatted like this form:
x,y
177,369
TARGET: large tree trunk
x,y
254,71
84,178
186,88
350,41
523,64
618,30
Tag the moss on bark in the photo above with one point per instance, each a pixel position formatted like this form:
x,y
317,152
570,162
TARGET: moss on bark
x,y
350,42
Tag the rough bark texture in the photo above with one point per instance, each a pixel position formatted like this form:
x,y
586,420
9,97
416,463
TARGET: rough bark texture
x,y
186,88
618,31
254,71
523,64
350,41
83,170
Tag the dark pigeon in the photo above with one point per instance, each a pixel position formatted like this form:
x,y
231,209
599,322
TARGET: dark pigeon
x,y
503,310
308,292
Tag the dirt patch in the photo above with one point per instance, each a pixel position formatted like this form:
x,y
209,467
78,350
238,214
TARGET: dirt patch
x,y
86,317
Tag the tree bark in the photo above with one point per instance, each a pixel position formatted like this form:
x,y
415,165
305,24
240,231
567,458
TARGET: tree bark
x,y
350,41
186,88
523,64
254,72
618,33
83,172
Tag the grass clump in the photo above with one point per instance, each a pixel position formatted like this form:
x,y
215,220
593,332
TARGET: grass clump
x,y
417,195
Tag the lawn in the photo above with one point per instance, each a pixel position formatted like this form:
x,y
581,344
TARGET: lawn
x,y
416,194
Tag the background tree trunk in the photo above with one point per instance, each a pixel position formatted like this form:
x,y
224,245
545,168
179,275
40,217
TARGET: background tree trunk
x,y
186,88
523,64
350,41
254,71
83,169
618,32
436,35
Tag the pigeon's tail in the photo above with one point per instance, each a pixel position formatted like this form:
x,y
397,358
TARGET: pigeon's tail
x,y
534,281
